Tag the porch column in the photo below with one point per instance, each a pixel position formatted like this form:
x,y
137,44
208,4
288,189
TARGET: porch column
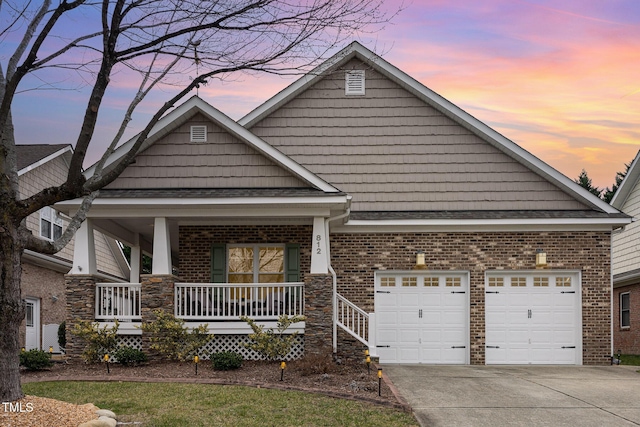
x,y
136,260
319,255
161,247
80,293
156,294
318,310
84,250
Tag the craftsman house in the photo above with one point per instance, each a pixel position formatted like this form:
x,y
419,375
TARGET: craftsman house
x,y
626,266
393,220
43,282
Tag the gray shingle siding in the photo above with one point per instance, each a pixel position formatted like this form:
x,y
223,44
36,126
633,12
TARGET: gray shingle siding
x,y
392,151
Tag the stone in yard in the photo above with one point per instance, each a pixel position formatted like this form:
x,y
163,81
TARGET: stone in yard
x,y
105,413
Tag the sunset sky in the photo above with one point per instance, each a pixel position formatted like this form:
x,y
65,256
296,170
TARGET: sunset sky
x,y
560,78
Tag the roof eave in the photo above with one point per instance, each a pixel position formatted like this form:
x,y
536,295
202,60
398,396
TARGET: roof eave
x,y
627,184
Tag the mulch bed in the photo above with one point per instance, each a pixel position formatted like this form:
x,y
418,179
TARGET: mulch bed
x,y
350,380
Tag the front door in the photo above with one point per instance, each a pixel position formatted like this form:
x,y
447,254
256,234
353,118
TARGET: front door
x,y
32,337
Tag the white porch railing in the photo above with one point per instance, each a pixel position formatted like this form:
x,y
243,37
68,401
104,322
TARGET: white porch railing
x,y
353,320
118,301
228,301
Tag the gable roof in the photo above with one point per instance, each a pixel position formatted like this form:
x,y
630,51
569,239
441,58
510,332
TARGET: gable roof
x,y
628,184
196,105
481,130
30,156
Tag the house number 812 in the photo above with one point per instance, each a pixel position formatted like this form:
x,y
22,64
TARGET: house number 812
x,y
319,244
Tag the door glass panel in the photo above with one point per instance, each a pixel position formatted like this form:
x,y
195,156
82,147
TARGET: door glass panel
x,y
30,319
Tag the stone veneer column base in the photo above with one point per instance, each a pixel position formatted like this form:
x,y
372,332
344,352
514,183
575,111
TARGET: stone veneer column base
x,y
156,293
81,299
318,310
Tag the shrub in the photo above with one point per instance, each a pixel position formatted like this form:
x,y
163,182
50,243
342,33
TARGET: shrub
x,y
130,356
100,341
226,360
35,360
169,336
271,344
62,335
317,363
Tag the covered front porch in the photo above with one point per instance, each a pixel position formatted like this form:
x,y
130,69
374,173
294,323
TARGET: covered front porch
x,y
213,261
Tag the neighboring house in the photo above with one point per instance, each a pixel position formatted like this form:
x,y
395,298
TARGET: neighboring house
x,y
392,219
43,282
626,266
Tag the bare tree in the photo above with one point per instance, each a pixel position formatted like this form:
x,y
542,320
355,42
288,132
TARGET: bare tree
x,y
158,40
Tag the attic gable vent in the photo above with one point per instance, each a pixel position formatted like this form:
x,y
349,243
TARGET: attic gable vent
x,y
354,82
199,133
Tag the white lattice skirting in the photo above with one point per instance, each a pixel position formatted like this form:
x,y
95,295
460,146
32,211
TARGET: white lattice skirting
x,y
221,343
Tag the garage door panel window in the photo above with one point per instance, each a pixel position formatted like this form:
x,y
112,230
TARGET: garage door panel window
x,y
431,281
518,281
410,282
563,282
625,310
454,282
541,282
387,282
496,282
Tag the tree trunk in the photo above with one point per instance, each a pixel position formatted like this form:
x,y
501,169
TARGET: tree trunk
x,y
12,312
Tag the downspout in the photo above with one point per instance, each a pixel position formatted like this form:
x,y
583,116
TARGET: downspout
x,y
613,232
334,297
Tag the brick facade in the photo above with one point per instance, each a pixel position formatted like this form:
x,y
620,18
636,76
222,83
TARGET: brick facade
x,y
196,241
627,340
48,286
356,257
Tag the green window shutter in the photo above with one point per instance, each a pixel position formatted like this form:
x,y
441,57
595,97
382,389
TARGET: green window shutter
x,y
292,262
218,262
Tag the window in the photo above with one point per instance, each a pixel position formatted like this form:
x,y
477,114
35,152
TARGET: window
x,y
199,133
50,224
256,264
563,281
625,312
354,82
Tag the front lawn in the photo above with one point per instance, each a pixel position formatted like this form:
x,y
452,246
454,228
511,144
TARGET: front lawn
x,y
630,359
202,405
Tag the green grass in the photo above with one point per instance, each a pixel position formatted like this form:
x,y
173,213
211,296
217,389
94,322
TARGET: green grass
x,y
202,405
630,359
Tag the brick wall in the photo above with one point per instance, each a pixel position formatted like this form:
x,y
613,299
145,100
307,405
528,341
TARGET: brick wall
x,y
195,245
627,340
356,257
49,287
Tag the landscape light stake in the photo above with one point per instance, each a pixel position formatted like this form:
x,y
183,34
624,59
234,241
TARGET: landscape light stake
x,y
379,381
283,365
106,361
50,349
196,359
368,360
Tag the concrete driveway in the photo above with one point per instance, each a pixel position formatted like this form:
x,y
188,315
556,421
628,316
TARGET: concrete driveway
x,y
519,396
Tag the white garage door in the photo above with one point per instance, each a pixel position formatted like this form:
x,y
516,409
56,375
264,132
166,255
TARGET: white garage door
x,y
533,318
422,317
